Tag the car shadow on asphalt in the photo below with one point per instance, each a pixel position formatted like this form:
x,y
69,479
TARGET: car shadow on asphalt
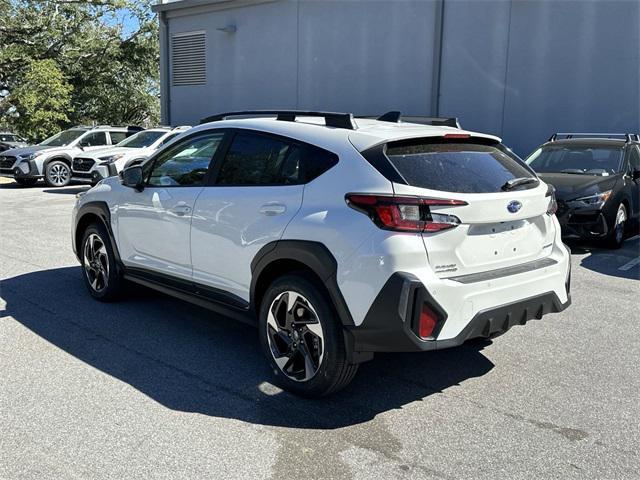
x,y
606,261
72,190
189,359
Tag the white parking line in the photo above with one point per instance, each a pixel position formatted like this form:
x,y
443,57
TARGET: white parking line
x,y
630,265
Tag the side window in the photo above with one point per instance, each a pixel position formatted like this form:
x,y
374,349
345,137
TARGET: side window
x,y
94,139
255,160
185,164
316,161
117,137
634,159
261,160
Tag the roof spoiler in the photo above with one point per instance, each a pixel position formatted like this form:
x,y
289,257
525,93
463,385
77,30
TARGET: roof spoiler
x,y
627,136
395,117
332,119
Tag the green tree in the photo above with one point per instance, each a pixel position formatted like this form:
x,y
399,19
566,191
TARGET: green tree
x,y
106,49
42,100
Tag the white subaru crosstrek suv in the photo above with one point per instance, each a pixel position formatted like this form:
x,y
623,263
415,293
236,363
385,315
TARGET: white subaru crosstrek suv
x,y
51,159
338,237
99,164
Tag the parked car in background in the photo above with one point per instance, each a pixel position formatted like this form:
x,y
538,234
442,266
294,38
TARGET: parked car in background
x,y
51,159
10,140
597,182
338,237
95,165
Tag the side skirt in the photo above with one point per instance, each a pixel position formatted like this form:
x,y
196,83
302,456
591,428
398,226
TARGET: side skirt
x,y
217,301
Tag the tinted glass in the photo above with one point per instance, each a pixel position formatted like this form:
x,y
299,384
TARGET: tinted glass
x,y
634,159
117,137
259,160
585,160
186,163
94,139
169,138
63,138
8,138
455,167
141,139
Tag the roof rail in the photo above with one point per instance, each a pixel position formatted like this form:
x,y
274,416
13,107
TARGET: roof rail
x,y
627,136
332,119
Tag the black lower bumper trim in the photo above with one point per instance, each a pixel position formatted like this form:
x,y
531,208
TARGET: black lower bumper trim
x,y
389,324
496,321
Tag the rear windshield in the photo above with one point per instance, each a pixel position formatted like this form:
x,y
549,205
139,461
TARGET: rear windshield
x,y
456,167
599,161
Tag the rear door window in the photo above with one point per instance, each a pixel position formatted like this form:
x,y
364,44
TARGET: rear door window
x,y
455,167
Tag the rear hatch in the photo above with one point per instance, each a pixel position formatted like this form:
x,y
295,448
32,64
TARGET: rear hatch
x,y
500,207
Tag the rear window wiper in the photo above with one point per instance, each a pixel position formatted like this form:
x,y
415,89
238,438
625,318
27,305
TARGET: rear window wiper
x,y
517,182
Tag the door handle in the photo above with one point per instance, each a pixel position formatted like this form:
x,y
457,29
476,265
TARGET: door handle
x,y
271,209
180,209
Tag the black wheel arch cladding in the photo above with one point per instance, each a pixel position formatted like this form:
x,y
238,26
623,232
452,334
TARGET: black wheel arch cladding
x,y
313,255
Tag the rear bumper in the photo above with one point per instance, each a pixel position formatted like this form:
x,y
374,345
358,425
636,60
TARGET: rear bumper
x,y
392,322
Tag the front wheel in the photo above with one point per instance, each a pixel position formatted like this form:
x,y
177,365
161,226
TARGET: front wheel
x,y
102,276
57,174
303,339
618,228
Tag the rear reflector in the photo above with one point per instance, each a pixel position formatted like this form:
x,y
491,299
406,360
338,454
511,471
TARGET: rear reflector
x,y
428,322
405,214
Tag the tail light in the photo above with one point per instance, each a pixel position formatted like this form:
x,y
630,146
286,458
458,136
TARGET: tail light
x,y
553,204
405,214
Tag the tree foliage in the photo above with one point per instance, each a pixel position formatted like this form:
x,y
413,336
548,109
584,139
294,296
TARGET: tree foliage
x,y
105,50
41,100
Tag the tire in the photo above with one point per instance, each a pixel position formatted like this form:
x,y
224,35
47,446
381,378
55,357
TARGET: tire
x,y
101,274
57,174
26,182
618,228
306,337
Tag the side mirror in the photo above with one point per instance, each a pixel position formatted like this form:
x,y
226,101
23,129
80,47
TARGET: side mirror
x,y
132,177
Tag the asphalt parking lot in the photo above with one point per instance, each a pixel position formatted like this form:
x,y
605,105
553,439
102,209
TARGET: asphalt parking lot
x,y
155,388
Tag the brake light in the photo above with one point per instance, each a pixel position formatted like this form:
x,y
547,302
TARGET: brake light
x,y
405,214
428,322
457,135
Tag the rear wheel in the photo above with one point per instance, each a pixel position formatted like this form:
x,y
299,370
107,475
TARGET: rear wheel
x,y
26,182
618,228
57,174
303,339
101,274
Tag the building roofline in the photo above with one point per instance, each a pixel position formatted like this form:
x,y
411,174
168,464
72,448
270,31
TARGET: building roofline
x,y
167,6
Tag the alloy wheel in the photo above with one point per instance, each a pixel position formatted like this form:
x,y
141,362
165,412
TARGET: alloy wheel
x,y
621,219
295,336
59,174
96,262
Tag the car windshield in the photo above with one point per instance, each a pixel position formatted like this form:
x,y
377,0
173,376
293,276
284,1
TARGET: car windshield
x,y
600,161
4,137
63,138
142,139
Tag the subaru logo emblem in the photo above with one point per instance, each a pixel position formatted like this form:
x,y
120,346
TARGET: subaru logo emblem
x,y
514,206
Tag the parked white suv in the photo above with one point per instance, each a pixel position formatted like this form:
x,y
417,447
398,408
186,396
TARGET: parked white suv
x,y
51,159
339,237
106,162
